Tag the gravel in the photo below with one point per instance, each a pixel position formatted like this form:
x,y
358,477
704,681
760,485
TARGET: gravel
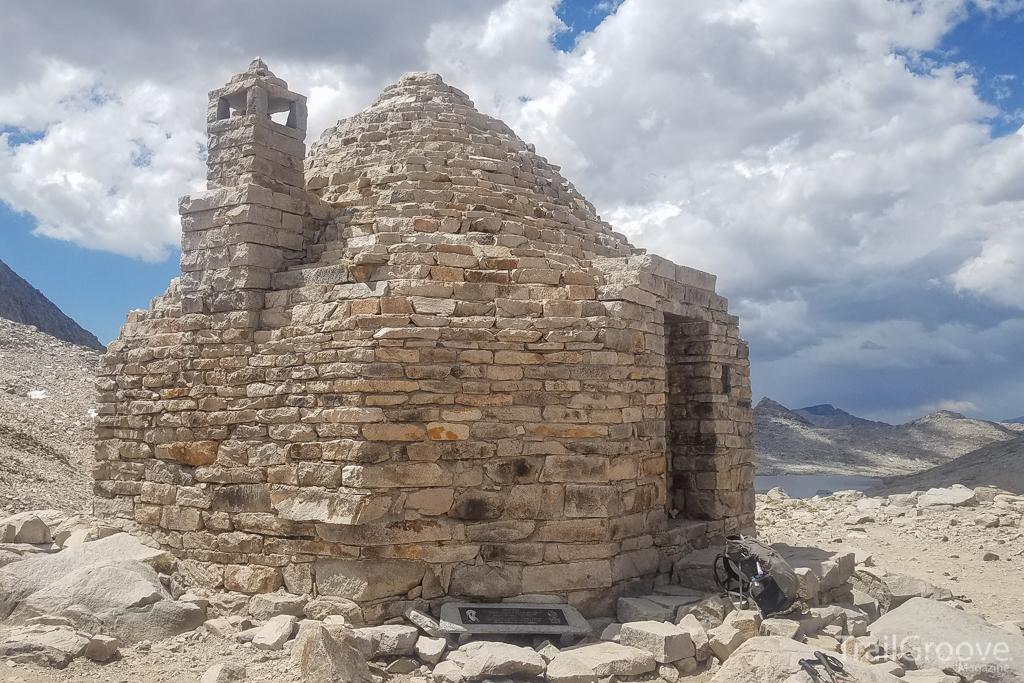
x,y
47,404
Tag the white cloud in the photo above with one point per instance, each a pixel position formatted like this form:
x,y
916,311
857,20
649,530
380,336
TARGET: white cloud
x,y
783,321
949,404
998,270
804,168
116,97
501,60
907,344
636,220
804,151
785,135
105,171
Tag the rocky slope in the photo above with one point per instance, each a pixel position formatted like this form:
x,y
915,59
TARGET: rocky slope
x,y
788,443
998,464
46,420
23,303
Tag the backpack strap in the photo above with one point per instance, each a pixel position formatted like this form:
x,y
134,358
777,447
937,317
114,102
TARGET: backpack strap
x,y
730,575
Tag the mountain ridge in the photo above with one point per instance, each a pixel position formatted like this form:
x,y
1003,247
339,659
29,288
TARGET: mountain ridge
x,y
828,416
788,443
999,464
22,303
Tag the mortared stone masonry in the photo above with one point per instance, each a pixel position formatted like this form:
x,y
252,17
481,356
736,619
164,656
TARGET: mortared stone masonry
x,y
415,365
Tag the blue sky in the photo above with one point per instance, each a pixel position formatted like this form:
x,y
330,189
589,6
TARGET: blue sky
x,y
580,17
851,171
993,47
96,288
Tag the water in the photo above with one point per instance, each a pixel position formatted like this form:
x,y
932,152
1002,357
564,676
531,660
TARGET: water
x,y
806,485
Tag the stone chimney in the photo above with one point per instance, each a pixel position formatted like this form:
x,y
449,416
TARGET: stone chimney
x,y
249,222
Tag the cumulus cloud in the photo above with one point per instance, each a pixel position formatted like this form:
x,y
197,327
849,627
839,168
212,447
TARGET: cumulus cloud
x,y
817,166
998,270
951,405
104,127
841,180
100,171
837,173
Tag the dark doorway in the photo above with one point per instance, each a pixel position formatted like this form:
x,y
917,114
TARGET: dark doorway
x,y
681,427
698,388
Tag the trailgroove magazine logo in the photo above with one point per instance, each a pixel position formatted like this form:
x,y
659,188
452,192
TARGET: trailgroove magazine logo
x,y
963,656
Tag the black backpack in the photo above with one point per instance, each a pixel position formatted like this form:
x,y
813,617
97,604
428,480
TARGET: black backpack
x,y
749,566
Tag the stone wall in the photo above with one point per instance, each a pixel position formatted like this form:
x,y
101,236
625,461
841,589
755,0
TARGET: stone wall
x,y
432,371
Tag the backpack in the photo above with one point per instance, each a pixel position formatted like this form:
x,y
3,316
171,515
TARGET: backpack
x,y
749,566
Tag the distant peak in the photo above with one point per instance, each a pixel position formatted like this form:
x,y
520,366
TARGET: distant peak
x,y
22,303
769,403
824,409
767,407
828,416
948,414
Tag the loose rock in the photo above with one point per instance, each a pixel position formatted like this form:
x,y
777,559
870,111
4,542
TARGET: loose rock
x,y
956,495
275,633
667,642
430,650
785,628
223,673
640,609
267,605
101,648
725,639
324,660
25,528
425,622
710,611
386,641
487,659
612,659
698,635
777,660
938,630
324,606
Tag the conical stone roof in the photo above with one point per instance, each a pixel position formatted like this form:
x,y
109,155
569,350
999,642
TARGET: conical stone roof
x,y
422,151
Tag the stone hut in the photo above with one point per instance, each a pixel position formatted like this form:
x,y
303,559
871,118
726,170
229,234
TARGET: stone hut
x,y
415,365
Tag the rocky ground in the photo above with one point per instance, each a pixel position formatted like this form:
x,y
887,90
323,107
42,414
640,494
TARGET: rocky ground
x,y
183,659
85,603
974,550
47,405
